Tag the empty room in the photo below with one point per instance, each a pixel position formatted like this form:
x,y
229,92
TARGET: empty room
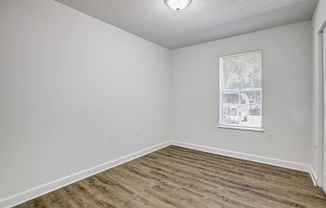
x,y
165,103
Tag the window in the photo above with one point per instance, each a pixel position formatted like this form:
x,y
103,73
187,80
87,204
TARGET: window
x,y
241,91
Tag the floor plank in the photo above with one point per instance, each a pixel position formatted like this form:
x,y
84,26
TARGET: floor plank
x,y
180,177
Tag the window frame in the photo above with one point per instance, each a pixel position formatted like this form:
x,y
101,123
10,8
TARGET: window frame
x,y
220,116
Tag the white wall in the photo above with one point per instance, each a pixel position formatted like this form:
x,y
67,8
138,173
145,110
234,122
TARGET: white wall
x,y
66,81
318,22
286,94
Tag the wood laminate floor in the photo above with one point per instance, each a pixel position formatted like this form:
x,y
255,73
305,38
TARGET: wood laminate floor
x,y
179,177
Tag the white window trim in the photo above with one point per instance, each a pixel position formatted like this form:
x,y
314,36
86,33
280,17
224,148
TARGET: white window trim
x,y
233,127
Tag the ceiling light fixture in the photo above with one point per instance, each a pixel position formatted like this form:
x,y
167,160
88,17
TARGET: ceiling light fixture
x,y
177,5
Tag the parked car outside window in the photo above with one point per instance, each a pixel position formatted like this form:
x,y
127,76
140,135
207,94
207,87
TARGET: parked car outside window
x,y
236,107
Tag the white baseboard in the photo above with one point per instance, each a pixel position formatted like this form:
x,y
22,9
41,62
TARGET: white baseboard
x,y
266,160
51,186
313,176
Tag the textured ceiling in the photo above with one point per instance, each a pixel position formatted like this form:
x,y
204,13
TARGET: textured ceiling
x,y
201,21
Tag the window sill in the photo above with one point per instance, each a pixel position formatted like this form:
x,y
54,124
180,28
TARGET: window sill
x,y
241,128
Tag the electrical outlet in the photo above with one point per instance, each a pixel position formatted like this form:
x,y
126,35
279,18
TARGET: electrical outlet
x,y
137,132
111,137
270,136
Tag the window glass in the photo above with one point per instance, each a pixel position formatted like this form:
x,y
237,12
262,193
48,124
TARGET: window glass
x,y
241,91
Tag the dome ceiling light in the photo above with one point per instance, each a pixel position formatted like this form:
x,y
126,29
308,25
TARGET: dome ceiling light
x,y
177,5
